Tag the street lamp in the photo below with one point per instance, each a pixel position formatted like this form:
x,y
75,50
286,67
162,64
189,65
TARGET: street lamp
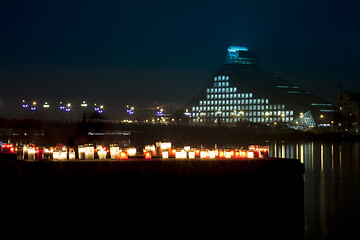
x,y
101,110
84,104
46,105
68,107
33,106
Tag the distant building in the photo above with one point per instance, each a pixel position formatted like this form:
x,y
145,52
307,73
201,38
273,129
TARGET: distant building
x,y
241,91
349,106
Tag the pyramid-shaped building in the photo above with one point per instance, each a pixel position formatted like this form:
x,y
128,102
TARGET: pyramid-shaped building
x,y
241,91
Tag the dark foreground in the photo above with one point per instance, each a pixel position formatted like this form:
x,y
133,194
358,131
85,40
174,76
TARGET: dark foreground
x,y
153,199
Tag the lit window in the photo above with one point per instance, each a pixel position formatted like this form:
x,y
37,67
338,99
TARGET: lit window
x,y
250,101
197,108
227,102
223,78
258,101
193,109
200,102
262,101
242,95
212,96
219,84
231,96
231,108
215,79
242,101
250,107
200,109
235,89
219,78
212,90
215,84
208,96
267,101
291,113
262,107
283,107
227,77
208,90
215,90
250,95
231,101
246,95
246,101
227,84
227,90
227,95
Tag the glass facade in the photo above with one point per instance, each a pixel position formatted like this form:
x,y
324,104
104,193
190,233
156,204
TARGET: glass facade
x,y
229,105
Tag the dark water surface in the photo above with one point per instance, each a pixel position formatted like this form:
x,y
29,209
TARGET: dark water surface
x,y
331,186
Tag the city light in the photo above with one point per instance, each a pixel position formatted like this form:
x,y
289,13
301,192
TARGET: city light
x,y
24,104
130,110
84,104
62,106
46,105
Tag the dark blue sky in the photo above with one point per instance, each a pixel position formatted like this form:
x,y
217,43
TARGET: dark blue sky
x,y
120,52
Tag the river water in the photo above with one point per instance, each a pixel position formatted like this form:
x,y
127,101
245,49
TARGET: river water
x,y
331,186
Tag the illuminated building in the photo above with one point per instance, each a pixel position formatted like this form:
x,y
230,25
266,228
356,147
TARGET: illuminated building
x,y
240,91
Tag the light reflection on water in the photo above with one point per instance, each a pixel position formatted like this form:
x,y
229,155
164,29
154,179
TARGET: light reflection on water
x,y
332,185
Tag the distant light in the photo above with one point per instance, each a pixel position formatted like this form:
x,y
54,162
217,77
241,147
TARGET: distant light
x,y
160,113
100,111
33,108
46,105
237,48
129,111
25,105
68,109
84,104
34,103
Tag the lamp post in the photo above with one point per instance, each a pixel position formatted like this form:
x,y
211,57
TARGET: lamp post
x,y
62,107
33,108
84,106
25,107
46,106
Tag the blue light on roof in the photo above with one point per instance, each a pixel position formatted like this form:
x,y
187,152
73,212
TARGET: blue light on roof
x,y
237,48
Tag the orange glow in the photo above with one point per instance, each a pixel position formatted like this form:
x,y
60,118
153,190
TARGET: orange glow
x,y
243,154
148,155
197,153
221,154
237,154
232,153
123,155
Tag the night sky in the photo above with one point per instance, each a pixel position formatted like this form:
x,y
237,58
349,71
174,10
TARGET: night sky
x,y
132,52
